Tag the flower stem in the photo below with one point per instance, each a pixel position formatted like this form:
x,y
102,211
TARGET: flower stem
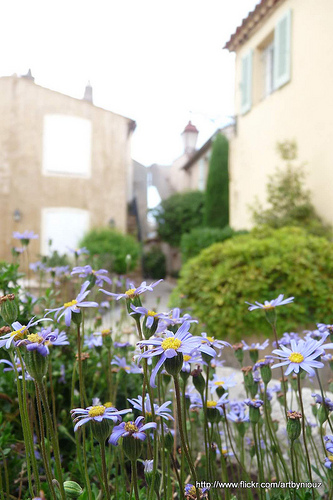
x,y
303,430
55,443
135,479
105,476
182,437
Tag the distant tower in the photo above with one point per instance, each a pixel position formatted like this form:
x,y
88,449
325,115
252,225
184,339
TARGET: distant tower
x,y
88,93
29,76
190,136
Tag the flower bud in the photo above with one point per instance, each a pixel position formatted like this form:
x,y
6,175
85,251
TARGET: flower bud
x,y
239,353
149,475
101,430
198,380
72,489
266,373
77,318
168,441
254,355
254,414
293,425
36,364
9,308
322,414
174,365
132,447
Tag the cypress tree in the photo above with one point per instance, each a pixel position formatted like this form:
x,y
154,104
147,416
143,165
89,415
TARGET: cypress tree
x,y
217,191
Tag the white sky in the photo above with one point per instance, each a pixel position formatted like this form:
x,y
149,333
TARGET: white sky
x,y
159,63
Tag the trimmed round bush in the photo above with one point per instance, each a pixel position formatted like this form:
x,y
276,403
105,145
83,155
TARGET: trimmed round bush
x,y
109,249
154,264
258,267
202,237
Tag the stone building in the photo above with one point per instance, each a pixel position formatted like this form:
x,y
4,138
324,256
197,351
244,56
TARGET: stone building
x,y
65,165
284,61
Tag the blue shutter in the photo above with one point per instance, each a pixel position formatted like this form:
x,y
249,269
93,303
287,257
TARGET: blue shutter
x,y
246,82
282,41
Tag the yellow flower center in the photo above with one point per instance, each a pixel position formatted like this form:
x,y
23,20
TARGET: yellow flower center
x,y
96,411
330,458
211,339
187,357
130,293
261,360
106,331
211,404
296,357
35,338
149,413
131,427
269,307
108,404
19,334
192,491
171,343
224,452
127,367
71,303
151,313
220,382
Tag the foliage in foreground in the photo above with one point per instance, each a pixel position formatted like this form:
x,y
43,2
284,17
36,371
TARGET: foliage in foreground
x,y
85,414
110,248
216,212
289,202
178,215
195,241
215,284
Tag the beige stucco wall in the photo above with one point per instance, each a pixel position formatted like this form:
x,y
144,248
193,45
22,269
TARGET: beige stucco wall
x,y
23,186
300,110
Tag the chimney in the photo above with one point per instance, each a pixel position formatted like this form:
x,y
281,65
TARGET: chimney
x,y
29,76
88,93
190,136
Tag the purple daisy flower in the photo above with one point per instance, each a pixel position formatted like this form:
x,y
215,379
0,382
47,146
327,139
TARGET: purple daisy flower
x,y
255,403
131,429
95,340
209,345
132,291
302,354
219,404
255,346
169,346
39,341
173,318
96,413
26,235
73,306
268,305
161,411
328,403
122,363
19,331
86,271
238,416
147,313
225,382
329,443
328,462
78,251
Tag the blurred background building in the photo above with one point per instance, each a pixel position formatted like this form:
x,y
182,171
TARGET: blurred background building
x,y
283,83
65,166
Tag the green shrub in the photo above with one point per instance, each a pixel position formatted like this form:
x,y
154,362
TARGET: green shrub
x,y
202,237
288,201
109,249
178,214
154,264
216,212
257,267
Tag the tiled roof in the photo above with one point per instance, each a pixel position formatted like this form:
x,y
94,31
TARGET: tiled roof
x,y
249,23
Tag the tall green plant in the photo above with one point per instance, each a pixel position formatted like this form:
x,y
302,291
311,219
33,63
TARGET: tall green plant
x,y
217,192
288,201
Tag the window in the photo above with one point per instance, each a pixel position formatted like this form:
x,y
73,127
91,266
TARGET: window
x,y
64,227
282,41
66,145
269,67
246,82
267,58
